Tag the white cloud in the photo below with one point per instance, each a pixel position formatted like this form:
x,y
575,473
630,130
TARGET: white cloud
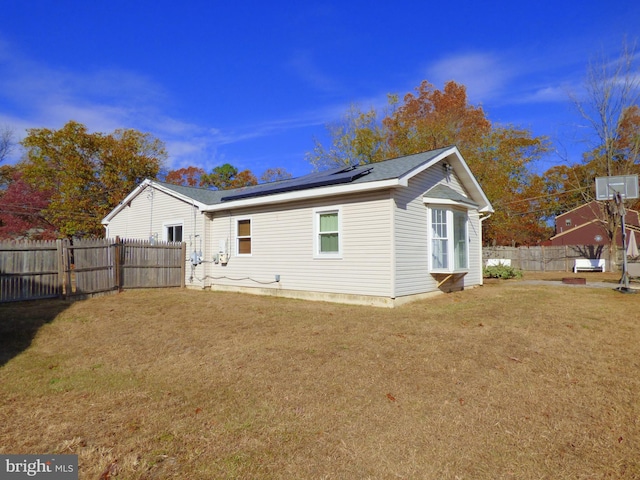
x,y
510,78
483,74
34,95
547,94
48,97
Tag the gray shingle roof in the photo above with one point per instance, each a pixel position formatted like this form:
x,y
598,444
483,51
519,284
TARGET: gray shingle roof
x,y
386,170
440,192
397,167
202,195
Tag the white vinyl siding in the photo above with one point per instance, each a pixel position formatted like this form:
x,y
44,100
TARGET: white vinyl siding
x,y
474,230
148,215
284,244
412,238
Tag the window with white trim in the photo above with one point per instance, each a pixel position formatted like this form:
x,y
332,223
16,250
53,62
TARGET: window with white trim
x,y
460,241
243,236
173,233
448,239
328,241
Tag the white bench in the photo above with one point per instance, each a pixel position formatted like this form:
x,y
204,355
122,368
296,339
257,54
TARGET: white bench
x,y
589,265
494,262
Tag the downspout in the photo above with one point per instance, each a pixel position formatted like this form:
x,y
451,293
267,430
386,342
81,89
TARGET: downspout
x,y
392,233
150,198
482,219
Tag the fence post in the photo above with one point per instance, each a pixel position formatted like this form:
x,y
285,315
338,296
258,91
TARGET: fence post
x,y
60,262
69,263
183,270
117,264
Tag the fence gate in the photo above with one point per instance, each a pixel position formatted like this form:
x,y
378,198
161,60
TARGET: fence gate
x,y
89,267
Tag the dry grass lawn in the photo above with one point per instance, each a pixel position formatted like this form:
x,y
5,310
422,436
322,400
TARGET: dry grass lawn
x,y
506,381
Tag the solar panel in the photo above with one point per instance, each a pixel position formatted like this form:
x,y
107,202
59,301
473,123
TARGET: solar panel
x,y
313,180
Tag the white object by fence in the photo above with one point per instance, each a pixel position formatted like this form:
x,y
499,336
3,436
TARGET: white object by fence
x,y
589,265
494,262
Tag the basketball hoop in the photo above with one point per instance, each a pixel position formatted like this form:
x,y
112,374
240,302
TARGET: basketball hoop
x,y
626,187
619,189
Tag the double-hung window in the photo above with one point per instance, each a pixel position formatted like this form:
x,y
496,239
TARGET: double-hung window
x,y
439,239
173,232
328,241
448,239
243,237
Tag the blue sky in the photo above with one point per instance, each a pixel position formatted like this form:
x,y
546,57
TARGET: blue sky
x,y
251,83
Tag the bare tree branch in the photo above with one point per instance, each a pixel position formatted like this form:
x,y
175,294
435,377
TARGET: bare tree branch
x,y
7,142
611,88
610,106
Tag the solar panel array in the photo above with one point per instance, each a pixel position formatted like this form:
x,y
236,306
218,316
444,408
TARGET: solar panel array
x,y
325,178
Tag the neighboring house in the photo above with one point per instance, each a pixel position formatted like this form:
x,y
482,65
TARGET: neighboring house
x,y
585,225
376,234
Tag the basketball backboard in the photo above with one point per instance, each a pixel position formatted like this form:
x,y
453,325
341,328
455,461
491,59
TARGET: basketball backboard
x,y
626,186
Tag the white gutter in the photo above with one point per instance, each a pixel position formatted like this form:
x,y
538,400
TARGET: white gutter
x,y
482,219
303,195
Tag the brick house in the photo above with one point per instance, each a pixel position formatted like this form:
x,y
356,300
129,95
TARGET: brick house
x,y
585,225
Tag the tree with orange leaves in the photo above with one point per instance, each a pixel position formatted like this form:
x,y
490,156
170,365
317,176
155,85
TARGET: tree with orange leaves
x,y
434,118
188,177
87,174
225,177
499,156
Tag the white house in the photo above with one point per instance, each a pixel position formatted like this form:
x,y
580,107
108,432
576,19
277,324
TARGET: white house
x,y
377,234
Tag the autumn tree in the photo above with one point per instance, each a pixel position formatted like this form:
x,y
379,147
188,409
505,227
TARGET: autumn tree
x,y
87,173
502,167
357,139
226,176
21,211
274,175
565,187
188,176
6,176
220,177
126,158
244,179
626,146
433,118
499,156
609,105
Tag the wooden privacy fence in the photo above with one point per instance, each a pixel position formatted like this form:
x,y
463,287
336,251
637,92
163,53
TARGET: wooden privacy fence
x,y
80,268
547,259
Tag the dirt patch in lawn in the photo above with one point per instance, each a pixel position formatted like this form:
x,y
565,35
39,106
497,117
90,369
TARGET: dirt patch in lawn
x,y
591,277
504,381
